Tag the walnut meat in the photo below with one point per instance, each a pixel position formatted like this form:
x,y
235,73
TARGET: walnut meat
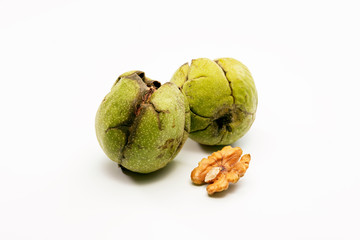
x,y
221,168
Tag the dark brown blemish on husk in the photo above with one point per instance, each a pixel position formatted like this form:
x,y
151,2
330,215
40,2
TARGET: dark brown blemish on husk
x,y
224,121
181,143
157,117
160,155
144,99
201,76
245,112
122,127
168,143
141,75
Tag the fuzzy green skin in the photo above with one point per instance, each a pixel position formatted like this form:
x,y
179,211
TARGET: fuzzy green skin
x,y
142,135
222,98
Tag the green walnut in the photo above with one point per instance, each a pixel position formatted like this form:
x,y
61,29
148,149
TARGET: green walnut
x,y
141,124
222,98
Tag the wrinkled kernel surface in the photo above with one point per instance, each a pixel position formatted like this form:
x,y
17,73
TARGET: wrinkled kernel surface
x,y
221,168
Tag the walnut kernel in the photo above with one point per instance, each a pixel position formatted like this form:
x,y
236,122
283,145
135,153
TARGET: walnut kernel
x,y
221,168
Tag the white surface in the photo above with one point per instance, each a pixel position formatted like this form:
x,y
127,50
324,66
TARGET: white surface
x,y
59,58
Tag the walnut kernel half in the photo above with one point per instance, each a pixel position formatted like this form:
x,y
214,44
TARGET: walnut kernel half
x,y
221,168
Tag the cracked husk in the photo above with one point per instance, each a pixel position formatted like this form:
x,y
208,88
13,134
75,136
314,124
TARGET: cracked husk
x,y
222,97
140,124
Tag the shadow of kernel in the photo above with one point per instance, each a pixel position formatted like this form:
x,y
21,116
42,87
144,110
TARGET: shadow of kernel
x,y
139,178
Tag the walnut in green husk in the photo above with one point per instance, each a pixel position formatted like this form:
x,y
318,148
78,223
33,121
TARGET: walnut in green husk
x,y
141,124
222,99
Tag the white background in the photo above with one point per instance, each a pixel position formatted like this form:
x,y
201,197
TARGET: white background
x,y
58,59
